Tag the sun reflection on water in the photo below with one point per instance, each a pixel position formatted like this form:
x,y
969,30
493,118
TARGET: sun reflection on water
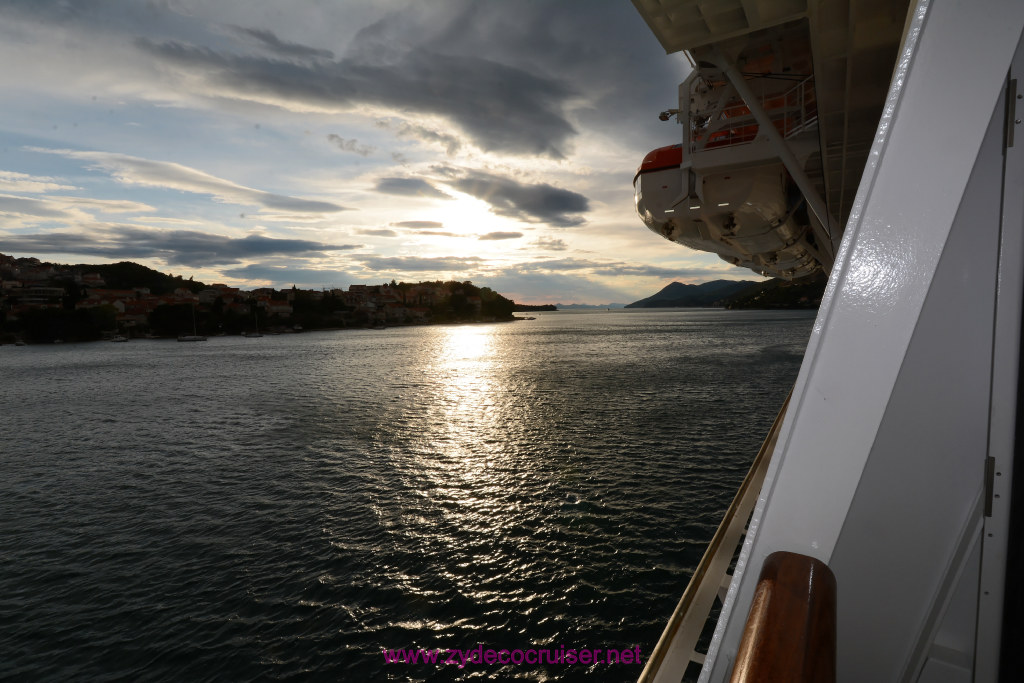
x,y
467,470
468,400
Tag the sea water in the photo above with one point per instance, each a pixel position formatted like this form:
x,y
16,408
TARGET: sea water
x,y
291,506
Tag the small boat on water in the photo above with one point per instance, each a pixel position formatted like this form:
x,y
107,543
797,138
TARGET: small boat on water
x,y
195,336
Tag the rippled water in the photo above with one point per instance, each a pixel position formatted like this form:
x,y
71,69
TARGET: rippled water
x,y
287,507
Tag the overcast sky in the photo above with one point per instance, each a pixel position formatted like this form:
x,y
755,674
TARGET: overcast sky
x,y
323,143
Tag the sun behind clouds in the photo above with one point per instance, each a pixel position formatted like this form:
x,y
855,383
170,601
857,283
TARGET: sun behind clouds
x,y
468,227
465,215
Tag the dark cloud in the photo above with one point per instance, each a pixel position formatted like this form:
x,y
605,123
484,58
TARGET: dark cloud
x,y
418,225
383,232
351,145
271,42
550,244
420,263
287,275
533,203
599,47
409,187
510,75
404,129
27,210
500,107
40,208
501,236
446,171
174,247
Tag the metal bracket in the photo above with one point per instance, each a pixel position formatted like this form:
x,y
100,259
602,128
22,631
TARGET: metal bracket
x,y
990,469
1011,112
827,233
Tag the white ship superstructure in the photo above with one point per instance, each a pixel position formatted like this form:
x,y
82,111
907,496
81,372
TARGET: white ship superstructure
x,y
884,540
773,141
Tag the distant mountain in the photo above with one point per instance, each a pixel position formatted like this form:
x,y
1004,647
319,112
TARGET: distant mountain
x,y
584,307
529,308
775,293
678,295
126,275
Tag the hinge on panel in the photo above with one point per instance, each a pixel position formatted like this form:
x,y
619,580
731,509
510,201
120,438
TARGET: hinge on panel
x,y
1011,112
990,471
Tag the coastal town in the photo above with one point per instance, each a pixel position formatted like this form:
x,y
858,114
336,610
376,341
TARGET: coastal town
x,y
44,303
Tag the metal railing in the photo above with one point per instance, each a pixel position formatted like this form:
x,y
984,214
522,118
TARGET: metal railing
x,y
677,646
792,112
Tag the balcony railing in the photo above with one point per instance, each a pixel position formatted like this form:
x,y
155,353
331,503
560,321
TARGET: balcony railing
x,y
676,648
792,112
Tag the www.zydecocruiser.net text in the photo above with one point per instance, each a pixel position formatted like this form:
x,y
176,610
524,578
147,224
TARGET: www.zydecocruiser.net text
x,y
480,655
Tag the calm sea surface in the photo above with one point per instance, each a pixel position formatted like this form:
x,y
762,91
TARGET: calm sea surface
x,y
287,507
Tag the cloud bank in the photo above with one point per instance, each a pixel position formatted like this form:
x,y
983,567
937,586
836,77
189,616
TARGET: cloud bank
x,y
500,107
173,247
420,264
532,203
130,170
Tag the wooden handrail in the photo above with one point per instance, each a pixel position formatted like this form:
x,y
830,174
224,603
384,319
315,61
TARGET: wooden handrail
x,y
791,628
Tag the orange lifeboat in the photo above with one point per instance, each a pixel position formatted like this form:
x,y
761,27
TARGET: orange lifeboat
x,y
660,159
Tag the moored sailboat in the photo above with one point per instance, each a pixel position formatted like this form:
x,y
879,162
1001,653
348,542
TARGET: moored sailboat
x,y
195,336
